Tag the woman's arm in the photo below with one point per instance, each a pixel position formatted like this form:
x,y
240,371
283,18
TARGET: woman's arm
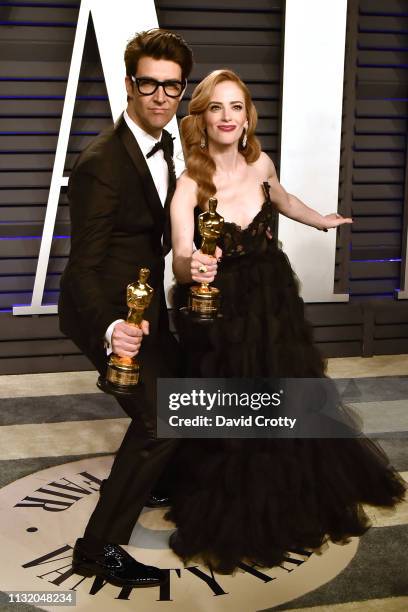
x,y
186,261
290,206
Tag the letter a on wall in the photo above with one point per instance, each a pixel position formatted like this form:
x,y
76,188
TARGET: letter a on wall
x,y
115,23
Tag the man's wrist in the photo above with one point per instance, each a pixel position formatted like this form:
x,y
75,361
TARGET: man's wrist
x,y
108,336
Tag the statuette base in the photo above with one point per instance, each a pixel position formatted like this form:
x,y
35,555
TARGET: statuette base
x,y
121,378
204,302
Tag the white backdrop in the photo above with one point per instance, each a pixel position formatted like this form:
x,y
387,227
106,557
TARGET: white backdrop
x,y
315,34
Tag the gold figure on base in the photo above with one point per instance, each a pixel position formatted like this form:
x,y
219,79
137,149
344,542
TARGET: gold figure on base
x,y
204,299
123,373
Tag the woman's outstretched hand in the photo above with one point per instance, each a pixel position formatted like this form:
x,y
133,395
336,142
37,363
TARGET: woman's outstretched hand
x,y
334,220
204,267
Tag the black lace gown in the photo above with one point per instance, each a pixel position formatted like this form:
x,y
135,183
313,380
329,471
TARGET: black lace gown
x,y
254,500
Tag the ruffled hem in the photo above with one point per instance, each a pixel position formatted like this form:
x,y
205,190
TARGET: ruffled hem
x,y
257,500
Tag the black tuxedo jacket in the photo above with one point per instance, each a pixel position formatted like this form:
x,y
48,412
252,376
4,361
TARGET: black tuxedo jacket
x,y
117,221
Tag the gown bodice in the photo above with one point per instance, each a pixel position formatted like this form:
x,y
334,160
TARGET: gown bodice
x,y
236,241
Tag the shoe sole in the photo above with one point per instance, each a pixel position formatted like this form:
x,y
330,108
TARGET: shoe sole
x,y
89,573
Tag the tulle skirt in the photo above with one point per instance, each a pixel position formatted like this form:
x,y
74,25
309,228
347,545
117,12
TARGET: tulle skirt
x,y
255,500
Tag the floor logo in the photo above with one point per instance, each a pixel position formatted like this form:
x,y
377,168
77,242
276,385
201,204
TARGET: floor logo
x,y
45,513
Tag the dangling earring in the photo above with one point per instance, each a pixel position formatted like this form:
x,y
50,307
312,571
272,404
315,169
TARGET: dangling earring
x,y
203,141
244,139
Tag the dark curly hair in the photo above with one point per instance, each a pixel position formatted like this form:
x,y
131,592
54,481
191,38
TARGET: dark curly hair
x,y
159,44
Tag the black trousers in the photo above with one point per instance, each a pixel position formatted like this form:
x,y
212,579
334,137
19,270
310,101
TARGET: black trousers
x,y
141,462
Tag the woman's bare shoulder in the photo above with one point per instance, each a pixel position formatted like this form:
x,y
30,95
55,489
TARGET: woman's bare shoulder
x,y
186,182
186,191
264,166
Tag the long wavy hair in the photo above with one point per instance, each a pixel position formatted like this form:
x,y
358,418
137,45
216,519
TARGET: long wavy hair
x,y
199,163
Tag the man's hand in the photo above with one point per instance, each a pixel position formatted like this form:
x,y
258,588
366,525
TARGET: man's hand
x,y
204,267
126,338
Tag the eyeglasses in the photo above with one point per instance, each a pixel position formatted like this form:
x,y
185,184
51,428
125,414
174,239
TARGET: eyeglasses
x,y
147,86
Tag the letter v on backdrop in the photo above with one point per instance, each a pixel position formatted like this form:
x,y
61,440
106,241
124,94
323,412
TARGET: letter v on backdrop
x,y
311,125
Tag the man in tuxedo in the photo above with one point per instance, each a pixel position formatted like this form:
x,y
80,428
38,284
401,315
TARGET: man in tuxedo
x,y
119,194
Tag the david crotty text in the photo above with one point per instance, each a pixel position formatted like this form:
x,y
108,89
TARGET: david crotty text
x,y
222,421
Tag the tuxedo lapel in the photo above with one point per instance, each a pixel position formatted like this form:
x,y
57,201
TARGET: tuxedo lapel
x,y
138,159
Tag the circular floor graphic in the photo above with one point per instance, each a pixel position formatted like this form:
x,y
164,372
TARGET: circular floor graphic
x,y
43,514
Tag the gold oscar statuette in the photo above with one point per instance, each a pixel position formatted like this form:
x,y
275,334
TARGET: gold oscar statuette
x,y
204,299
123,373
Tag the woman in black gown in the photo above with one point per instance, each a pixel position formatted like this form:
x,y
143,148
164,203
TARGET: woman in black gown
x,y
255,499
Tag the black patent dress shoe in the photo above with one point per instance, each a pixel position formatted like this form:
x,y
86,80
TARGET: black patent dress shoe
x,y
114,564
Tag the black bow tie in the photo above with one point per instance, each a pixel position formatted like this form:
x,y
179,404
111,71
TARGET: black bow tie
x,y
166,144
